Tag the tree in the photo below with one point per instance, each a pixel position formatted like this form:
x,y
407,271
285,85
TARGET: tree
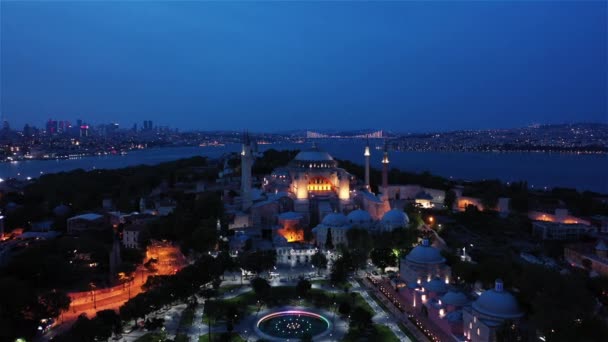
x,y
344,308
339,271
303,287
258,261
383,257
450,199
53,303
329,242
260,287
360,318
319,261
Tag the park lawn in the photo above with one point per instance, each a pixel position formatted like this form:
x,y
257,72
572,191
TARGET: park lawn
x,y
215,337
152,337
181,338
225,289
376,332
286,295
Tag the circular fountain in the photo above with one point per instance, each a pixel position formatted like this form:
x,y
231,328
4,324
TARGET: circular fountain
x,y
292,324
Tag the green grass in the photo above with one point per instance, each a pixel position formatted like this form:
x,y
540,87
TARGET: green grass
x,y
286,295
152,337
216,337
376,332
181,338
226,289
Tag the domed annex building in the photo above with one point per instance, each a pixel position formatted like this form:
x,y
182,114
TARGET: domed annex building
x,y
422,264
487,313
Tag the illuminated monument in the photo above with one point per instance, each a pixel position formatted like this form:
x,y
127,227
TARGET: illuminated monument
x,y
313,175
310,192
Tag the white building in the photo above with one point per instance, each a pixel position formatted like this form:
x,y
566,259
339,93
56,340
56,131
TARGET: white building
x,y
338,224
130,236
559,231
294,254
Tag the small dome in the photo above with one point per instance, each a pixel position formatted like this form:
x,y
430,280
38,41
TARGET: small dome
x,y
601,246
335,220
395,218
498,303
61,210
425,254
454,298
436,285
359,216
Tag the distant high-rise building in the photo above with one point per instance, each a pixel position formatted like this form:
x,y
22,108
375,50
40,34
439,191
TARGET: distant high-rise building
x,y
51,126
27,130
148,125
84,130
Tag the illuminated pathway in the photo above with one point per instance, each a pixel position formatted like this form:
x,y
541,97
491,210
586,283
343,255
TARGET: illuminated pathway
x,y
381,317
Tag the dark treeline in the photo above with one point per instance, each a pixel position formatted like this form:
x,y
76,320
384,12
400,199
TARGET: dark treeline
x,y
84,190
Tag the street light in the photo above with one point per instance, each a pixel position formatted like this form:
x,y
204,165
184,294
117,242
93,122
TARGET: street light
x,y
93,287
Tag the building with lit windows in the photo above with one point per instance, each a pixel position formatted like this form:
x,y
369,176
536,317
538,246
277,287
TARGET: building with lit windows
x,y
313,175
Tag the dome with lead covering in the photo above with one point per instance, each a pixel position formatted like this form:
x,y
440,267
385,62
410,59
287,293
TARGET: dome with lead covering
x,y
436,285
335,220
359,217
395,218
498,303
454,298
425,254
601,246
314,158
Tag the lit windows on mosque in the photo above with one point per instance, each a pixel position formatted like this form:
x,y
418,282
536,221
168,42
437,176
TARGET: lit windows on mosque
x,y
319,184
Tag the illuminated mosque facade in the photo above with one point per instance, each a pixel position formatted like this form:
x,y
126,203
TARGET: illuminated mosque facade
x,y
312,192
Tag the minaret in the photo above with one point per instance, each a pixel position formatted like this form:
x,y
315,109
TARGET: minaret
x,y
367,154
385,162
246,164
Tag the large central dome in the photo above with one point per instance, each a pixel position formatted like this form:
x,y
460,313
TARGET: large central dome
x,y
313,154
314,158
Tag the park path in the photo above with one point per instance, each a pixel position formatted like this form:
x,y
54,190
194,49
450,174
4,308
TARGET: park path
x,y
381,316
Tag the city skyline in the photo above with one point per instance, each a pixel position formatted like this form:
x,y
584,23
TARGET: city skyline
x,y
406,67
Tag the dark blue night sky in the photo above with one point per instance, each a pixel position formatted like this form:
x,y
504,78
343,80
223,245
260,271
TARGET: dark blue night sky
x,y
404,66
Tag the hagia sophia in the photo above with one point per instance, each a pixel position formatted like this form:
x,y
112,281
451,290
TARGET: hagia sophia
x,y
313,194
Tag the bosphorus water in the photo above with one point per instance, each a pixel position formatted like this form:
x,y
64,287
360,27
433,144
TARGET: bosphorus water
x,y
581,171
